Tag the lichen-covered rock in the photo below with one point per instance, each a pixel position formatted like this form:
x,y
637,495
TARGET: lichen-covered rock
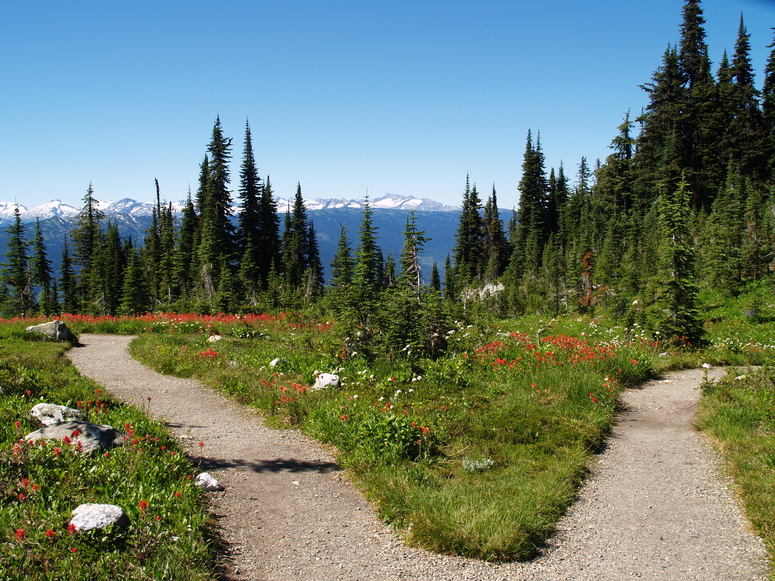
x,y
55,330
98,516
87,437
49,414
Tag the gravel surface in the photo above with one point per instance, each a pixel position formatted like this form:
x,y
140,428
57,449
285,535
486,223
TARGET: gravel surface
x,y
656,506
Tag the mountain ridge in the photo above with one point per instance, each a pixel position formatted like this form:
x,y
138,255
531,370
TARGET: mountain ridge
x,y
133,208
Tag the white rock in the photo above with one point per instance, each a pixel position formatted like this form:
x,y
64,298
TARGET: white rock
x,y
49,413
275,362
707,366
207,482
98,516
214,338
324,380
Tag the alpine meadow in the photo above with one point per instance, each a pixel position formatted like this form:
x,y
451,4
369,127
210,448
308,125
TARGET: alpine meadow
x,y
474,390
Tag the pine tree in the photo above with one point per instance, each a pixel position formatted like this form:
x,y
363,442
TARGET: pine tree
x,y
531,230
368,264
494,239
469,239
88,240
411,271
185,263
314,273
134,299
435,282
768,110
41,272
249,232
342,265
269,235
67,281
16,276
674,310
296,242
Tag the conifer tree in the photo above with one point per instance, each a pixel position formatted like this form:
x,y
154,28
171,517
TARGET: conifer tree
x,y
41,272
469,239
342,265
314,273
494,239
368,264
269,236
88,240
249,232
435,282
185,263
674,310
411,271
296,242
16,272
67,281
134,299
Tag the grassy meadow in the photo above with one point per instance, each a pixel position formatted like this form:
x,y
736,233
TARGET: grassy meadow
x,y
476,453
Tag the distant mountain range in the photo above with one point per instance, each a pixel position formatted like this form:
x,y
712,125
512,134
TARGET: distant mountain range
x,y
132,208
439,221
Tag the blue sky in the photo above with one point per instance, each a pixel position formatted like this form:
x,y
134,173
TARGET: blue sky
x,y
405,97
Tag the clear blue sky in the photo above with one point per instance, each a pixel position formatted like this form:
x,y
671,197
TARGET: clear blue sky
x,y
403,97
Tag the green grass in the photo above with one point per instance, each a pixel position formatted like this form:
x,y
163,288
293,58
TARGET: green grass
x,y
527,417
40,485
738,412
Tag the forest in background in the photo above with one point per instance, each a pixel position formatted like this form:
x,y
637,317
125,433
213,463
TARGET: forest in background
x,y
683,203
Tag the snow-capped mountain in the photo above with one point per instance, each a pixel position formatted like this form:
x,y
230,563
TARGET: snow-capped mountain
x,y
130,208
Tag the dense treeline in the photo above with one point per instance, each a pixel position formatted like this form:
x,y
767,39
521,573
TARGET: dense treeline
x,y
684,202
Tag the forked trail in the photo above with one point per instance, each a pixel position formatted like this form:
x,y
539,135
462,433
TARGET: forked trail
x,y
655,507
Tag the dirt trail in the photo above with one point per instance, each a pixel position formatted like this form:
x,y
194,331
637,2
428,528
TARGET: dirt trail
x,y
655,507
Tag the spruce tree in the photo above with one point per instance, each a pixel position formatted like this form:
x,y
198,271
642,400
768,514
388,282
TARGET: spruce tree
x,y
269,256
41,272
314,273
674,310
16,272
469,239
342,265
67,281
88,240
249,231
411,271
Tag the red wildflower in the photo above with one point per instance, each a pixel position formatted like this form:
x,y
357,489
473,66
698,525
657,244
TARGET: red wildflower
x,y
20,534
143,505
49,533
343,417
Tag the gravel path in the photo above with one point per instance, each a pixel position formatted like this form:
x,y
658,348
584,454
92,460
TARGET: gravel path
x,y
655,506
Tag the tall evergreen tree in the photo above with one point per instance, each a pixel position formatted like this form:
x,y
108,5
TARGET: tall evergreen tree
x,y
674,308
495,244
469,239
42,274
269,236
88,240
17,278
67,281
411,271
249,232
342,265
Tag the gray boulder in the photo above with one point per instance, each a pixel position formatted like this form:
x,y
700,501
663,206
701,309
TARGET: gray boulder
x,y
98,516
49,414
55,330
91,436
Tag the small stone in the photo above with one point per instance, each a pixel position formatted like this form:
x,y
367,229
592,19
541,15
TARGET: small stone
x,y
207,482
214,338
324,380
98,516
